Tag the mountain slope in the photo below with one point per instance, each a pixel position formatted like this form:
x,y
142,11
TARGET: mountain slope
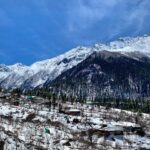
x,y
107,74
28,77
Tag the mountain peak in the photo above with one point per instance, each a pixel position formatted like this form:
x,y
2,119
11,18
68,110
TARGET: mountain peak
x,y
127,44
106,74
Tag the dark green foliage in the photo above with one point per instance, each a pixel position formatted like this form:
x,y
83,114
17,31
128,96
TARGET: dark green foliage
x,y
140,132
138,105
16,91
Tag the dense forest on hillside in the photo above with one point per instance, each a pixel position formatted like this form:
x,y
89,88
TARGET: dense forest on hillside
x,y
137,105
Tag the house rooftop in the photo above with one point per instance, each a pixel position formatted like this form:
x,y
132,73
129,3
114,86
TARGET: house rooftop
x,y
74,110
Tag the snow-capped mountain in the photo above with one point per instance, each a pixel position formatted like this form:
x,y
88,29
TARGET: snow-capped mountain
x,y
37,74
106,74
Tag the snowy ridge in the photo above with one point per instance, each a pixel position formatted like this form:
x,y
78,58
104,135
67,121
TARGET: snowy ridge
x,y
19,75
128,44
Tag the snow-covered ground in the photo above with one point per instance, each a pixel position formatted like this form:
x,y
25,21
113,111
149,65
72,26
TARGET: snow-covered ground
x,y
34,126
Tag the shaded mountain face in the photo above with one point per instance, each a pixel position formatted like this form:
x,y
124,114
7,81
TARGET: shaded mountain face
x,y
107,74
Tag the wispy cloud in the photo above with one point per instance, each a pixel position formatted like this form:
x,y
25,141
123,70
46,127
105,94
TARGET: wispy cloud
x,y
116,15
38,28
85,13
138,15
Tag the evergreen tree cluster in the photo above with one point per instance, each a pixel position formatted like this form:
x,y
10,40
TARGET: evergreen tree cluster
x,y
137,105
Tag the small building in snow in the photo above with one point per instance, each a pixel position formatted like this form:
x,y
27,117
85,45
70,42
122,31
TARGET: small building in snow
x,y
74,112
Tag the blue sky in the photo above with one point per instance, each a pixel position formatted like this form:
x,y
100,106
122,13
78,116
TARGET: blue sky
x,y
32,30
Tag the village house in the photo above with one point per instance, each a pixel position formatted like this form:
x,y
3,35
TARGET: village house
x,y
74,112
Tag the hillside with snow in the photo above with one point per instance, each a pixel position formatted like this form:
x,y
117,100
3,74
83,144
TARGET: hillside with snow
x,y
106,74
35,125
28,77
